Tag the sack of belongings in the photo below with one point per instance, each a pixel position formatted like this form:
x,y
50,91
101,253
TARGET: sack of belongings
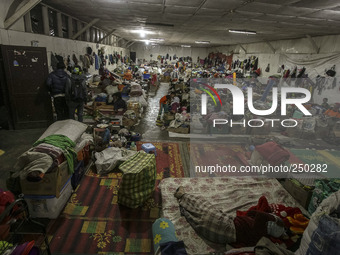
x,y
138,182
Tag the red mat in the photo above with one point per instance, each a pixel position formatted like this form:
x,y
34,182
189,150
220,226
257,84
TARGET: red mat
x,y
93,222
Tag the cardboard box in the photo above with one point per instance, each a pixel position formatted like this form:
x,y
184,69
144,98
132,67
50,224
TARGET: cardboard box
x,y
129,122
238,130
48,206
180,130
50,185
298,192
168,117
179,86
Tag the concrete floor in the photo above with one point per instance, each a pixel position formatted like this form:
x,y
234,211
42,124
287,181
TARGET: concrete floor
x,y
15,142
147,126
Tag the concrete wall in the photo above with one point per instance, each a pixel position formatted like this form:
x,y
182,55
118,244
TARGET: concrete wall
x,y
16,35
145,51
61,46
291,53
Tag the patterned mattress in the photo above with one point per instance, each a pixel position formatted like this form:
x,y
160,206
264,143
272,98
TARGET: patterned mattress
x,y
228,194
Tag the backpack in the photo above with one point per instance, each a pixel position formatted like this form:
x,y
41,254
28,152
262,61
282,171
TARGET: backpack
x,y
77,91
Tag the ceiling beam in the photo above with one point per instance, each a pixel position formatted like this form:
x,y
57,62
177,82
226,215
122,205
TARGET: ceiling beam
x,y
84,29
315,46
117,41
270,46
20,13
125,44
106,36
163,7
245,51
199,7
132,43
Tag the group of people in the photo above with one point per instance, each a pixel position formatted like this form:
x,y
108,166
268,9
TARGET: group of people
x,y
69,92
171,103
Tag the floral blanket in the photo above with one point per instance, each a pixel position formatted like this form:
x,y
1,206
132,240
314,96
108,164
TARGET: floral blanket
x,y
228,194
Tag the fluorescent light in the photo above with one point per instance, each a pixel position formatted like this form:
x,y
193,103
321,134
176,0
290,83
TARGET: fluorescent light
x,y
242,32
142,32
157,40
202,42
185,46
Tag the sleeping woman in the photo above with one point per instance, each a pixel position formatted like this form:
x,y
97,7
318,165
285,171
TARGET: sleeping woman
x,y
219,227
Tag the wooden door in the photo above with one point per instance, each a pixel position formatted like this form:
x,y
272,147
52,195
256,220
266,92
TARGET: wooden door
x,y
26,71
133,56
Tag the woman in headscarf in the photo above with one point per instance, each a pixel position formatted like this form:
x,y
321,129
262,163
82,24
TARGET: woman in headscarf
x,y
175,105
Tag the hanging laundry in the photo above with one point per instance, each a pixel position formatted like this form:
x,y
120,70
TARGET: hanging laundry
x,y
59,58
301,72
286,74
82,60
89,50
331,72
75,60
87,62
279,69
96,62
54,62
256,64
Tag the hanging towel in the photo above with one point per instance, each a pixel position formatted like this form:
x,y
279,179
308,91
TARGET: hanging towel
x,y
65,144
96,62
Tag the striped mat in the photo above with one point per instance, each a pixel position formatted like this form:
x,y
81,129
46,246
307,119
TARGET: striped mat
x,y
94,223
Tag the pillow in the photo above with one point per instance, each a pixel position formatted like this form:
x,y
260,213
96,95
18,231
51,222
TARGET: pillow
x,y
163,231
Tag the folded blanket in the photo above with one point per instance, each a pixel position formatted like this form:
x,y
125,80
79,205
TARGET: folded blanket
x,y
54,152
71,128
65,144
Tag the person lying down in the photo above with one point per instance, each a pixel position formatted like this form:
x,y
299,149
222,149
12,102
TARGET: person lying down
x,y
219,227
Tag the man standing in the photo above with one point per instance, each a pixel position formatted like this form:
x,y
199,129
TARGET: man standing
x,y
76,94
56,83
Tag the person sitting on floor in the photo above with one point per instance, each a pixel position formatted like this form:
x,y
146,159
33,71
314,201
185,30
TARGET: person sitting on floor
x,y
119,105
219,227
333,111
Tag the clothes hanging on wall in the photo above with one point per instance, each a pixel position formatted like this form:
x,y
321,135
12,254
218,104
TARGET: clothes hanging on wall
x,y
96,61
75,60
54,61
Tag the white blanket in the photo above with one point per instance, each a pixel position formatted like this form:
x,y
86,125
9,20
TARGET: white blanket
x,y
70,128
